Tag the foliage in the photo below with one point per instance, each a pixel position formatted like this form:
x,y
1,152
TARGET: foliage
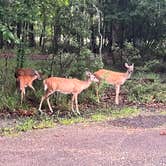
x,y
8,36
87,61
146,92
148,66
74,65
128,53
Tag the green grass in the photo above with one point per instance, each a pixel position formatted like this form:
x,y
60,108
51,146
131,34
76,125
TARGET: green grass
x,y
125,112
163,112
69,121
98,117
28,124
31,123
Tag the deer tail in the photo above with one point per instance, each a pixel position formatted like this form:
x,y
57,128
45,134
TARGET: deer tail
x,y
45,85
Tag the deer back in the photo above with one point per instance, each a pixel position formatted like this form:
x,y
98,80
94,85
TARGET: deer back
x,y
62,85
27,72
115,78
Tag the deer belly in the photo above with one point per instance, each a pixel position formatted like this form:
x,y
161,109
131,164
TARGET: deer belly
x,y
65,90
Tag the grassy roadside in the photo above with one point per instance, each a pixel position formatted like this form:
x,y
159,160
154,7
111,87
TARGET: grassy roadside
x,y
45,121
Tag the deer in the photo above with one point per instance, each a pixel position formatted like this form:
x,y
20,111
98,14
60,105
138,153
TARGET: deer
x,y
72,86
115,78
25,78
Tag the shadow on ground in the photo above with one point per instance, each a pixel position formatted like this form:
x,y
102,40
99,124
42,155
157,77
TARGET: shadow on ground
x,y
140,121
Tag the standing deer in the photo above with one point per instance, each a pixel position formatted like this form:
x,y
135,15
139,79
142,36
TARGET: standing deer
x,y
25,78
66,86
115,78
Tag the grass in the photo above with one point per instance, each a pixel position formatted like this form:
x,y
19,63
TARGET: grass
x,y
163,112
125,112
27,124
69,121
31,123
45,121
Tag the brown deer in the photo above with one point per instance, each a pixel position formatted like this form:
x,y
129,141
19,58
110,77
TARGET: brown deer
x,y
25,78
115,78
67,86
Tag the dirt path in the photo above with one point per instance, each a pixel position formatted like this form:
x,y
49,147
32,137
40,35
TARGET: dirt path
x,y
85,145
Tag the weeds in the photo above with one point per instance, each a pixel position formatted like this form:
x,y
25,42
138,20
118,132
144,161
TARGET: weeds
x,y
69,121
27,124
125,112
99,117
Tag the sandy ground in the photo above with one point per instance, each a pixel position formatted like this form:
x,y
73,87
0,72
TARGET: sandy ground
x,y
85,145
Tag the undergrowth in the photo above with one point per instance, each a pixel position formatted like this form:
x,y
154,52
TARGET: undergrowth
x,y
147,88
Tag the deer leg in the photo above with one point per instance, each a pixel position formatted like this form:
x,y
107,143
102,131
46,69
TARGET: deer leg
x,y
97,92
32,88
48,102
49,105
117,89
76,103
22,94
41,102
72,101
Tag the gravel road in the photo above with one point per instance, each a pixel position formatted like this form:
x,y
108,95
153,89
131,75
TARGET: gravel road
x,y
85,145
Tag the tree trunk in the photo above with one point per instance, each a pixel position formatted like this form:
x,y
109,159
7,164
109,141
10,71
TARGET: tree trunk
x,y
56,37
56,33
56,40
24,32
31,35
133,32
93,36
19,28
110,42
42,36
1,40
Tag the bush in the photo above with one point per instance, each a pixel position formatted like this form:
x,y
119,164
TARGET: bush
x,y
146,92
86,61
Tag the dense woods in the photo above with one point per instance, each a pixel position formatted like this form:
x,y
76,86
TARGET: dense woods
x,y
119,31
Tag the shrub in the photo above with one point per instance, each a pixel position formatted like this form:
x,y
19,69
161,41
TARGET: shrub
x,y
146,92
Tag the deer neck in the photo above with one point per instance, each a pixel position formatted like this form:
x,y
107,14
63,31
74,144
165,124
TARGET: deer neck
x,y
34,78
87,83
128,74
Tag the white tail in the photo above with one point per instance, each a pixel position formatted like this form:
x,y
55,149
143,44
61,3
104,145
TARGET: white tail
x,y
66,86
25,78
115,78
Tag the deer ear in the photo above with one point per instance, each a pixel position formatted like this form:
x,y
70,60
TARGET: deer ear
x,y
36,72
88,73
126,65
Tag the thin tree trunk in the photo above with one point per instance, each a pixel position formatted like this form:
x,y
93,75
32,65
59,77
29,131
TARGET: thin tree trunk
x,y
31,35
93,40
42,36
56,33
1,40
19,28
99,30
56,40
